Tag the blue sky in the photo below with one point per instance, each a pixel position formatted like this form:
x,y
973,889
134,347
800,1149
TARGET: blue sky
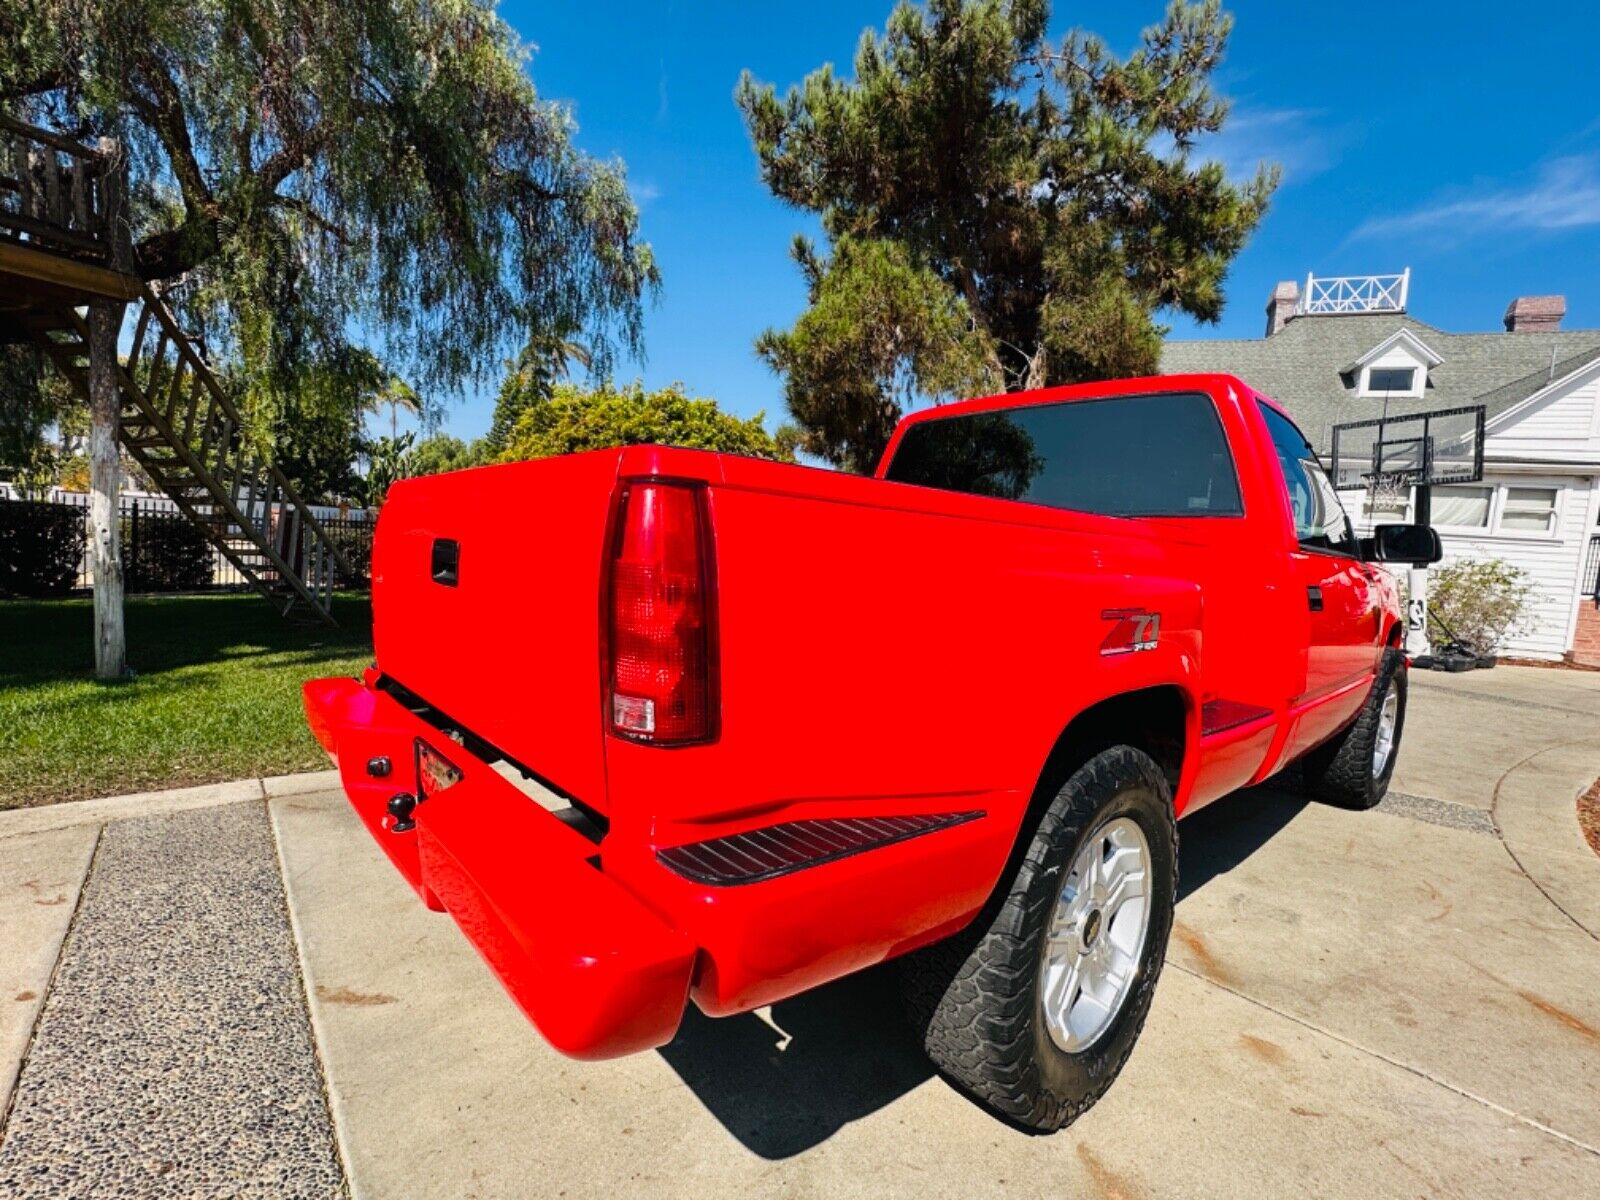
x,y
1461,140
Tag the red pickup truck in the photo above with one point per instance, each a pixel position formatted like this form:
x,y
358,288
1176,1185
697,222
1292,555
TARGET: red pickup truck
x,y
801,722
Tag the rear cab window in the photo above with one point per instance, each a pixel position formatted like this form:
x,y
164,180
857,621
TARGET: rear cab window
x,y
1320,522
1159,455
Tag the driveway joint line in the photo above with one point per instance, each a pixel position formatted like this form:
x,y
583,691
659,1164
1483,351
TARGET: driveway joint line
x,y
1494,806
340,1149
1576,1143
50,984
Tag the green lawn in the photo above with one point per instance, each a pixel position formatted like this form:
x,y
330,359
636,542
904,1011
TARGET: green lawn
x,y
215,695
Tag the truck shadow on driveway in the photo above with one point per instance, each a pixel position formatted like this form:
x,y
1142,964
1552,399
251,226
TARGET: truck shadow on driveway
x,y
841,1052
1223,834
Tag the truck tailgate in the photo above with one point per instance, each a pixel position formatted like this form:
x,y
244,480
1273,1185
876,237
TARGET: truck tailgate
x,y
485,587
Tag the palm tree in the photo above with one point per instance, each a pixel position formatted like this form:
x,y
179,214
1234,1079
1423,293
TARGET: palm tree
x,y
531,378
567,351
397,394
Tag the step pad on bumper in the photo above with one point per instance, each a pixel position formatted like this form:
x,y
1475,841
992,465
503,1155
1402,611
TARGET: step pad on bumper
x,y
777,850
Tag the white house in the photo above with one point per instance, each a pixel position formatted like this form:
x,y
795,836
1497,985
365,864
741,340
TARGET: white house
x,y
1347,349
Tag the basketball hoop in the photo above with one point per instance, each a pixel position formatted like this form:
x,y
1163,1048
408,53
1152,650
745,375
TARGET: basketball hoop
x,y
1388,490
1394,453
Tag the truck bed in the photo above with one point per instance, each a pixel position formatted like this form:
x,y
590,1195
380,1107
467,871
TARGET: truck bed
x,y
832,589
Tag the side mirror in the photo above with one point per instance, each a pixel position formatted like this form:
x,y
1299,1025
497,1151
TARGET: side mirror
x,y
1417,545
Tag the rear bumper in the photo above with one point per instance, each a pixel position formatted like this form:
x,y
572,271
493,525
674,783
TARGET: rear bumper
x,y
596,970
602,946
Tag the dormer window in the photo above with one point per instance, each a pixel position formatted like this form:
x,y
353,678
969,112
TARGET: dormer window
x,y
1391,380
1398,366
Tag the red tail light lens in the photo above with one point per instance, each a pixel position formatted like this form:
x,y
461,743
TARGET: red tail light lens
x,y
661,649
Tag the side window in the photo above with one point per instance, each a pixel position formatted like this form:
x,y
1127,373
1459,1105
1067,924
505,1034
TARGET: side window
x,y
1319,519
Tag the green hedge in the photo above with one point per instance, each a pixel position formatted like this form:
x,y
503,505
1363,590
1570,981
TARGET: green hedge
x,y
355,539
164,554
41,548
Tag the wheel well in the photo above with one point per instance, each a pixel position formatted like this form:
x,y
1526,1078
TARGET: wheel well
x,y
1152,719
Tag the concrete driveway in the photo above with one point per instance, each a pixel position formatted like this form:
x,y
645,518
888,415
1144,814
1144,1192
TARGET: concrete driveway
x,y
244,999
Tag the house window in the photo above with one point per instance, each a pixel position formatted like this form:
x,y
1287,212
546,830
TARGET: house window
x,y
1462,507
1516,511
1391,379
1529,510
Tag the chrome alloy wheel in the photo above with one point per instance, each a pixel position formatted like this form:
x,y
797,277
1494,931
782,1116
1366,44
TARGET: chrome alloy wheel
x,y
1096,936
1383,743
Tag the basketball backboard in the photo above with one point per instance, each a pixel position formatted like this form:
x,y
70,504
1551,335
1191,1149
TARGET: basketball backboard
x,y
1438,447
1387,457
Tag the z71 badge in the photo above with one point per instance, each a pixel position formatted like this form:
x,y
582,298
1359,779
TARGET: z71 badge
x,y
1135,630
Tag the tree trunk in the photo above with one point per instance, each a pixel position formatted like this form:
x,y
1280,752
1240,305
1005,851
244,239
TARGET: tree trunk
x,y
105,551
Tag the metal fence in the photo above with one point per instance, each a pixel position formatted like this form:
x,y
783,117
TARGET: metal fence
x,y
1591,568
163,551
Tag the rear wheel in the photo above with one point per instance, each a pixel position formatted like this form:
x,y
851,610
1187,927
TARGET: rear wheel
x,y
1353,769
1036,1006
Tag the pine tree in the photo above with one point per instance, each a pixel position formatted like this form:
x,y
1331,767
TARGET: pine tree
x,y
1001,212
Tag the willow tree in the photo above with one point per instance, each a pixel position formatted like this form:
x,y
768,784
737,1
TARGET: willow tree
x,y
313,170
1002,212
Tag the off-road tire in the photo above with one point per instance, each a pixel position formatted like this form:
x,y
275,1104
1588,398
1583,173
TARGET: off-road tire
x,y
1340,770
974,998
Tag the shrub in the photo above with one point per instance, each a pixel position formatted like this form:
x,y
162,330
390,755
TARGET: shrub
x,y
41,547
388,462
1482,601
355,539
167,554
74,474
574,419
440,452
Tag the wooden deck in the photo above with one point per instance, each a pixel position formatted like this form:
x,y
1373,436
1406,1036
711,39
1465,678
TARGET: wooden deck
x,y
63,231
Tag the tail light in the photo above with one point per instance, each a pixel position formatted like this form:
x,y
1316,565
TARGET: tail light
x,y
660,668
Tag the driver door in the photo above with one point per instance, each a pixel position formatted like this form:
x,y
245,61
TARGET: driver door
x,y
1341,602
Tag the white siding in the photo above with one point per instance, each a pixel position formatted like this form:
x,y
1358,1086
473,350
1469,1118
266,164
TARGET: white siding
x,y
1564,426
1552,442
1552,562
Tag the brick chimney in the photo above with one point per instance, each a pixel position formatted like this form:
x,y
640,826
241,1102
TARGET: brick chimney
x,y
1280,307
1535,314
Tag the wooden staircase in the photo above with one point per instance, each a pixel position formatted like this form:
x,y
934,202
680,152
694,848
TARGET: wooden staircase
x,y
184,431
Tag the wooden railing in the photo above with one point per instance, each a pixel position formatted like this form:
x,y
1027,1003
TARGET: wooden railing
x,y
59,195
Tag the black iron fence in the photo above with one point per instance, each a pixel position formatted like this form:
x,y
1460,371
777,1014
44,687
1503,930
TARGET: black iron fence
x,y
1591,568
44,547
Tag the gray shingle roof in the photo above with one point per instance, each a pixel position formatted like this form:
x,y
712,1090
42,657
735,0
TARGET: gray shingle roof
x,y
1299,366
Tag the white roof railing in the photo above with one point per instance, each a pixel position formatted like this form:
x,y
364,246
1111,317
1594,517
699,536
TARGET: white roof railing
x,y
1354,294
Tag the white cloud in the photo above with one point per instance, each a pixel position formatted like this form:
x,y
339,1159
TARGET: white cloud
x,y
1286,136
1564,195
644,192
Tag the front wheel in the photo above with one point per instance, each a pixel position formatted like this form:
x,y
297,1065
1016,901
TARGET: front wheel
x,y
1034,1009
1353,769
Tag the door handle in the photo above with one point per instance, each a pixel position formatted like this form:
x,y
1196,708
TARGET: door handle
x,y
1314,598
